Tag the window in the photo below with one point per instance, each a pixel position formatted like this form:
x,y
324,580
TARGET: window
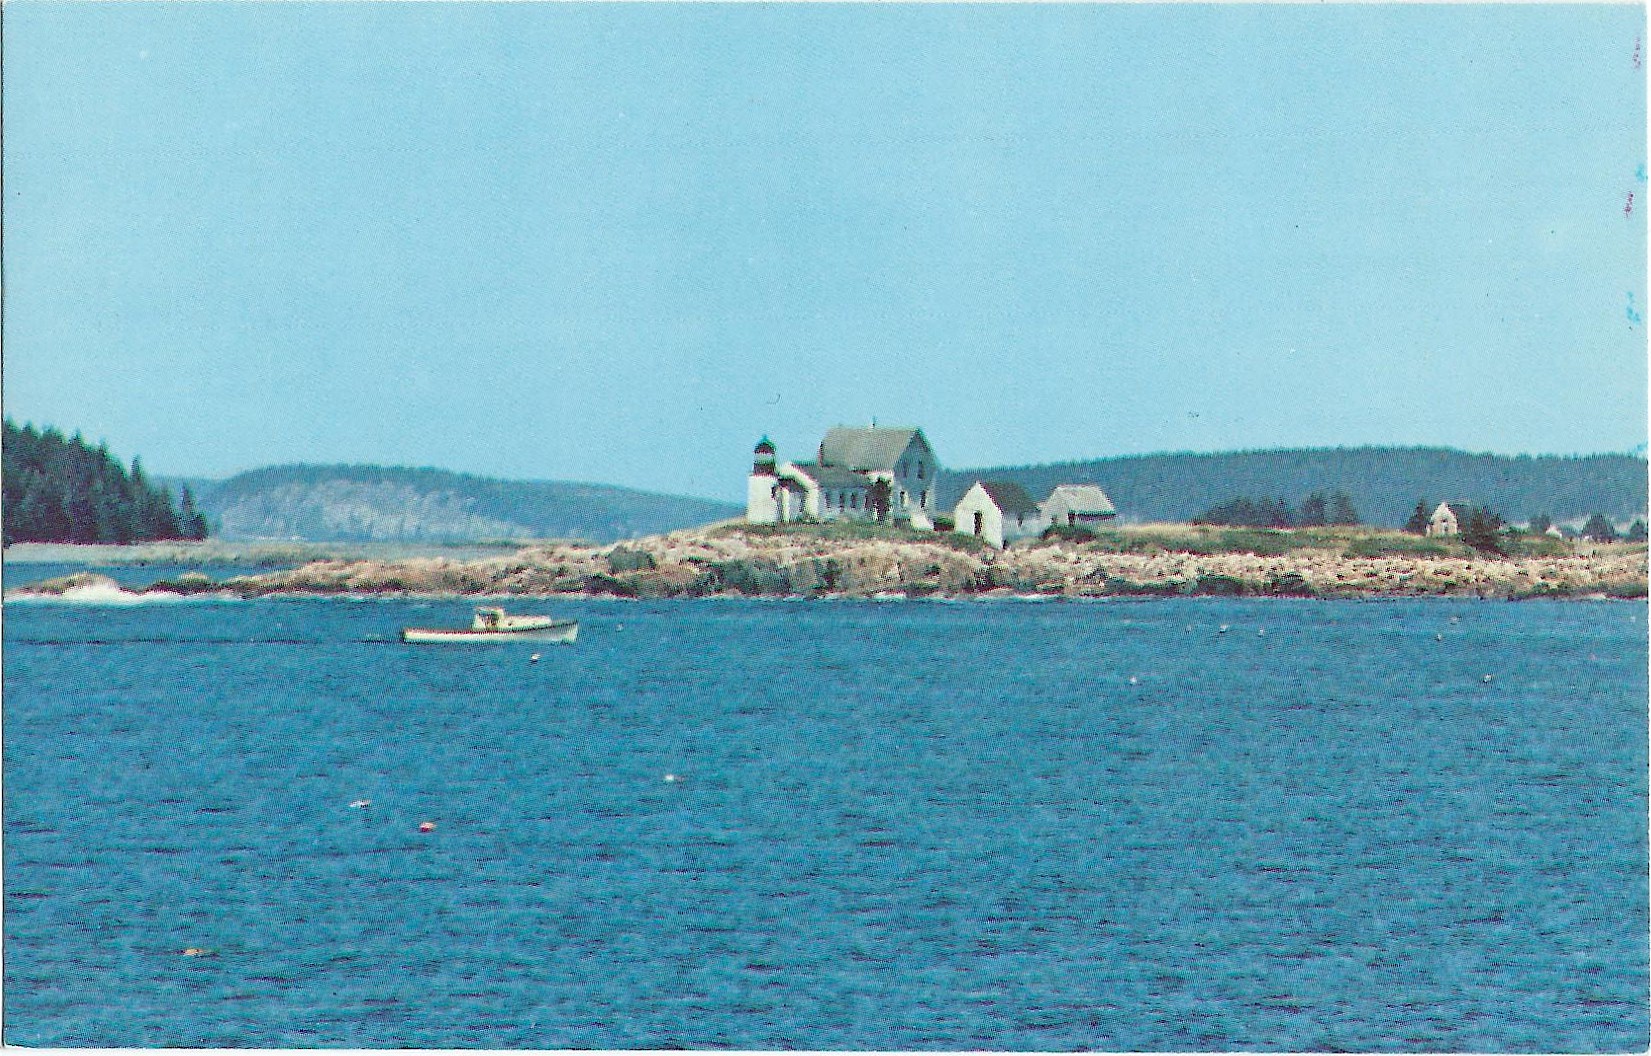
x,y
923,499
854,500
902,469
903,502
920,471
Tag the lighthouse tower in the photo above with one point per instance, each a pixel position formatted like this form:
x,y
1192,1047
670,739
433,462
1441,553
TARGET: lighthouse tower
x,y
761,494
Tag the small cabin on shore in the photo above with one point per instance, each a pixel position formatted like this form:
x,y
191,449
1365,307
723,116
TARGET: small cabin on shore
x,y
1449,518
999,512
1078,505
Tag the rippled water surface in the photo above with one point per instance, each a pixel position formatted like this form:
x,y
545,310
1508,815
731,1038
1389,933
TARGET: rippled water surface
x,y
893,826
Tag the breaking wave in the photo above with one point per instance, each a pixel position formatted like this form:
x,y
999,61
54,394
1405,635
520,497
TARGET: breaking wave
x,y
107,593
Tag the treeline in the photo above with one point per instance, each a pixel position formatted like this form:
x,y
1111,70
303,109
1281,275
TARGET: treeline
x,y
1316,510
1382,482
63,490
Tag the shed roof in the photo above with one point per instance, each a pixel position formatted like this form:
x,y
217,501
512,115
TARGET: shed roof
x,y
876,449
1008,496
1083,498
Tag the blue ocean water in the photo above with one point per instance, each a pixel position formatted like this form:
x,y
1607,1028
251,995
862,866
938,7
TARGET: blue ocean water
x,y
894,826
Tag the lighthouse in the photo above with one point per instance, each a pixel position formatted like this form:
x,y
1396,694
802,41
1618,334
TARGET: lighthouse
x,y
761,494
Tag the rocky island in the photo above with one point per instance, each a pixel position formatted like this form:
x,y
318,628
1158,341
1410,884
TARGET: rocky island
x,y
871,561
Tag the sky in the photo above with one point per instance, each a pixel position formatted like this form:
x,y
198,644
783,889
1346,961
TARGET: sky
x,y
620,243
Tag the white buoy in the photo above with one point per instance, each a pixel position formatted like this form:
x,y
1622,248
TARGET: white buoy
x,y
1438,637
1485,679
534,658
1261,633
1223,629
1133,680
358,804
671,779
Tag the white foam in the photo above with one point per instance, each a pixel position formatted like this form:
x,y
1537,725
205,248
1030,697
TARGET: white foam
x,y
108,594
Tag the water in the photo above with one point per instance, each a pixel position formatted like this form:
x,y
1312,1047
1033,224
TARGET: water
x,y
895,826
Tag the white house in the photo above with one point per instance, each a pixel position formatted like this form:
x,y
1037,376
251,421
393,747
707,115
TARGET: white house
x,y
859,474
1078,504
1449,518
999,512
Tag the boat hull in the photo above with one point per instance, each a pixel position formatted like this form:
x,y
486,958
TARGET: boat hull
x,y
562,631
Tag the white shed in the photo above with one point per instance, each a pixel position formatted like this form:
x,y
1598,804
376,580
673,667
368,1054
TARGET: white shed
x,y
999,512
1078,504
1449,518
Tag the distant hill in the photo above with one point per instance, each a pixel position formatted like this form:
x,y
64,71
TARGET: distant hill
x,y
378,503
1383,482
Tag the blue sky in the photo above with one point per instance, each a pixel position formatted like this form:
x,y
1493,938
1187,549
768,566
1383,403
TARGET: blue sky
x,y
620,242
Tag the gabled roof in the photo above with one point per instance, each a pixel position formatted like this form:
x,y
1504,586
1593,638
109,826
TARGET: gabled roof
x,y
831,476
1458,508
875,449
1008,496
1083,499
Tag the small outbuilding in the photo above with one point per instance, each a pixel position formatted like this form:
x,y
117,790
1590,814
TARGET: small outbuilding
x,y
1449,518
998,511
1078,504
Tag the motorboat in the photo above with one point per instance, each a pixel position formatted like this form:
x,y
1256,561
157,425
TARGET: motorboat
x,y
494,625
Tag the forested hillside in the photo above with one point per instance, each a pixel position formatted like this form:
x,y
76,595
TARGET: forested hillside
x,y
63,490
358,503
1384,484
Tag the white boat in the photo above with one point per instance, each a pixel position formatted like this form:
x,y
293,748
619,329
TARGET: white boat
x,y
492,625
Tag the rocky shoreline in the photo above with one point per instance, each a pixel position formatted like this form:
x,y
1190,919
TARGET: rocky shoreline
x,y
734,563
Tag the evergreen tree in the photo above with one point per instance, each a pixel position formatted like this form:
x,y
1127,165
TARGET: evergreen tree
x,y
57,490
191,521
877,497
1417,525
1313,511
1540,524
1636,532
1341,509
1249,513
1599,529
1483,531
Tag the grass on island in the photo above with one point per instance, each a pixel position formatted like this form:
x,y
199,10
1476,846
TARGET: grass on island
x,y
1352,541
852,531
1346,541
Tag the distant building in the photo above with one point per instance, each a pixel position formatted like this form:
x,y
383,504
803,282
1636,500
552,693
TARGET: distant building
x,y
1449,518
998,511
1078,504
859,474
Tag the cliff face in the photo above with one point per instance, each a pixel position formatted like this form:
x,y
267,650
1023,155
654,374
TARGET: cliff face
x,y
343,509
735,563
377,503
